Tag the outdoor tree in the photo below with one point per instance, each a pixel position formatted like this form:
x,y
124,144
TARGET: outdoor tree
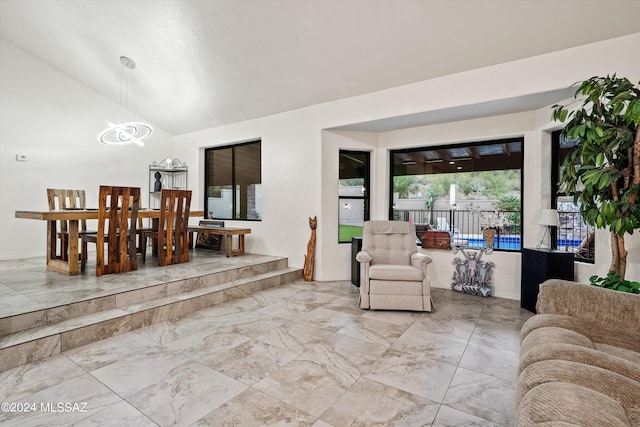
x,y
602,172
405,185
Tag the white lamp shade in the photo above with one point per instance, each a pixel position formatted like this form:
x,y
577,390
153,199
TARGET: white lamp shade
x,y
452,194
549,217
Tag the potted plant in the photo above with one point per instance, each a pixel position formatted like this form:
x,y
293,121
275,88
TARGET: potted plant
x,y
602,172
490,222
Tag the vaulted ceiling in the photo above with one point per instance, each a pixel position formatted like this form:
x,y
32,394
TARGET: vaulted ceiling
x,y
204,63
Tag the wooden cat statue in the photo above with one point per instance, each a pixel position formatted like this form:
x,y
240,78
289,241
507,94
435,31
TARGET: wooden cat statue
x,y
309,258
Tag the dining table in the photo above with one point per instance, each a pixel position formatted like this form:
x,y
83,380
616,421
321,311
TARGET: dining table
x,y
74,216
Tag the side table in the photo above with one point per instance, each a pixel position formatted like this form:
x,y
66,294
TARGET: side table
x,y
539,265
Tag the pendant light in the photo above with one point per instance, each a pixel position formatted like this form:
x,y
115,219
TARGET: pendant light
x,y
122,127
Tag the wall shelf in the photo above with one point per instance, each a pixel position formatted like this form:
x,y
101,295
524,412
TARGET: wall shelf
x,y
172,176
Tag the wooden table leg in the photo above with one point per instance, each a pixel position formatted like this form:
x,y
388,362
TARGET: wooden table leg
x,y
73,247
235,252
229,245
51,241
69,266
155,223
240,244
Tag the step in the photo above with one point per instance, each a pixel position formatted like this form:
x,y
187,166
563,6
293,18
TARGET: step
x,y
139,288
139,308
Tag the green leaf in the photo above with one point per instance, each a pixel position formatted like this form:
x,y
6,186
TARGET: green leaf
x,y
605,181
618,226
599,131
563,115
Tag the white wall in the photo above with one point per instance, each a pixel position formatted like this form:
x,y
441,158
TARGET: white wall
x,y
54,121
300,151
290,179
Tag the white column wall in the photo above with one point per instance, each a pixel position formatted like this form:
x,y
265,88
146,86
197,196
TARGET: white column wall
x,y
332,143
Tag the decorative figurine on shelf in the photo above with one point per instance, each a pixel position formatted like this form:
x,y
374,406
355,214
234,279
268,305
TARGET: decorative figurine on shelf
x,y
158,184
309,258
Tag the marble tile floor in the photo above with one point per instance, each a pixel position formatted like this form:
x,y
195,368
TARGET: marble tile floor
x,y
300,354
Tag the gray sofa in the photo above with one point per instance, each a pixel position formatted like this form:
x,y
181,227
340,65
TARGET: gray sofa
x,y
580,358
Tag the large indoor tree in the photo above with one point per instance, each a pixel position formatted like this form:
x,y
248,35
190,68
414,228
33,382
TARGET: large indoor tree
x,y
602,172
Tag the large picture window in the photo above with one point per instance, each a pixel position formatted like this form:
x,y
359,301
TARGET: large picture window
x,y
353,194
233,181
462,189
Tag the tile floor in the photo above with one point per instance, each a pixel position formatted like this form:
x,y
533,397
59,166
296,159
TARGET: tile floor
x,y
301,354
26,285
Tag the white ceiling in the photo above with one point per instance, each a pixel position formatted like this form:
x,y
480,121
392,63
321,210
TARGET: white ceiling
x,y
204,63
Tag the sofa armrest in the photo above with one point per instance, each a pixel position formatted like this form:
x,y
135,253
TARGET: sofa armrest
x,y
363,256
606,307
419,260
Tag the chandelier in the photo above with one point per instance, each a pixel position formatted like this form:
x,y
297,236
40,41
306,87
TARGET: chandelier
x,y
122,127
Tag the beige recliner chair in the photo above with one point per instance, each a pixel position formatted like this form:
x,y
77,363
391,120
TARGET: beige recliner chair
x,y
393,274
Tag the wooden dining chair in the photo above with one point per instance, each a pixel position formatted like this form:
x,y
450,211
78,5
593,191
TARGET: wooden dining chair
x,y
172,235
61,199
117,223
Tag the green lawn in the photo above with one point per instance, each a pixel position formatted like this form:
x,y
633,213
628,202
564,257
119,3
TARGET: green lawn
x,y
346,232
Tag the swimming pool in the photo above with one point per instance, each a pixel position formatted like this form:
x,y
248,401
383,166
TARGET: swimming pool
x,y
512,242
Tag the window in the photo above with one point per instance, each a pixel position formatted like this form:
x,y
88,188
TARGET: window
x,y
233,177
573,235
353,194
462,189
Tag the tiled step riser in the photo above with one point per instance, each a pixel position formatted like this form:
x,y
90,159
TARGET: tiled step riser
x,y
54,315
41,348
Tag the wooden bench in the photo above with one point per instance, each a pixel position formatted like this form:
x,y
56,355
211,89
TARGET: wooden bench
x,y
228,232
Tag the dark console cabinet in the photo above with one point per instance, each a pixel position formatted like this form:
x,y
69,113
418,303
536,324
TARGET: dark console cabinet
x,y
539,265
356,246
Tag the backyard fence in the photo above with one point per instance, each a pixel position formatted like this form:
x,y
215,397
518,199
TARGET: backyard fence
x,y
573,235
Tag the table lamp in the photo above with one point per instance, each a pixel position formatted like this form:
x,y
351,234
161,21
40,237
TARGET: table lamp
x,y
548,218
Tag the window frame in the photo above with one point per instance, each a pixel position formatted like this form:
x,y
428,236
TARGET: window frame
x,y
464,145
234,184
366,197
556,163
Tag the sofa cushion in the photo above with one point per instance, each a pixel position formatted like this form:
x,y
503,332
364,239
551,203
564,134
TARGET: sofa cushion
x,y
622,389
596,332
395,272
551,334
623,353
563,404
592,305
580,354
